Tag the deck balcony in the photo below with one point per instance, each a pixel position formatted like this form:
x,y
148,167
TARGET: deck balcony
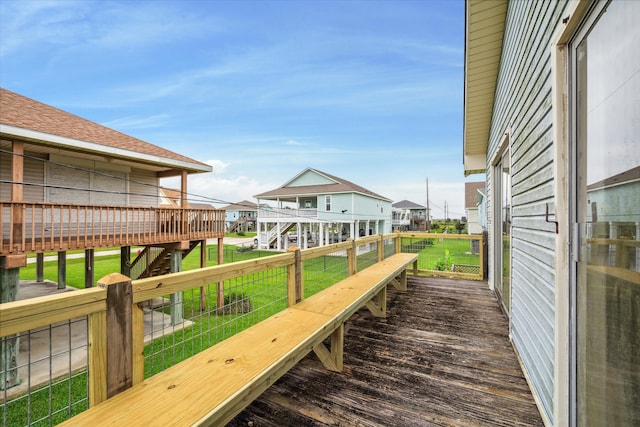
x,y
289,215
47,227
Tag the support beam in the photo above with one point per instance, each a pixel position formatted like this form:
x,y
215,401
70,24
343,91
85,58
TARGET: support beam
x,y
176,300
332,359
88,268
9,345
40,267
378,304
62,270
125,260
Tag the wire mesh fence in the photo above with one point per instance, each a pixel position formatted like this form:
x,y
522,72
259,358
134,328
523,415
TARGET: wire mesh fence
x,y
46,381
443,254
322,272
185,324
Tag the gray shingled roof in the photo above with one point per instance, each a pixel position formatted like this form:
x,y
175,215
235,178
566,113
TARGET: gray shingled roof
x,y
406,204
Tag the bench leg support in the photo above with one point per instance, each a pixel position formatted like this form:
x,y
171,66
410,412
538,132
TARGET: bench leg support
x,y
400,282
378,304
332,359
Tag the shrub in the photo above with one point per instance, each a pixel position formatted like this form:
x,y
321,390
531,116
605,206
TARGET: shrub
x,y
236,303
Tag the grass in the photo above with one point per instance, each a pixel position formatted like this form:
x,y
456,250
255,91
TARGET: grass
x,y
437,254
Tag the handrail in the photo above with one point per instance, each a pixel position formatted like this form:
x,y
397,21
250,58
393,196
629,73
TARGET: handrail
x,y
29,227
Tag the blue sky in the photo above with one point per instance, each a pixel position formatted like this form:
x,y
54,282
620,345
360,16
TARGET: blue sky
x,y
371,91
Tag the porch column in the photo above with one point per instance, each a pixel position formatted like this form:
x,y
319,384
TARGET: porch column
x,y
176,300
320,235
304,237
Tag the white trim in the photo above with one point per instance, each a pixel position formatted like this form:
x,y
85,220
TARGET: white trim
x,y
574,13
75,144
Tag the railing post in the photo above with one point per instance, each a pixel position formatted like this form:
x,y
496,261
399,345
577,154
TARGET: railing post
x,y
381,248
484,256
295,287
352,259
398,243
119,333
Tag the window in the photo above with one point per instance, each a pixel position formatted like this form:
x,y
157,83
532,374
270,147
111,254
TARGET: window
x,y
327,203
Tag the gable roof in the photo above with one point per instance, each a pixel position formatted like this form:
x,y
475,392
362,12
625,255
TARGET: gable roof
x,y
43,125
406,204
336,186
471,193
244,205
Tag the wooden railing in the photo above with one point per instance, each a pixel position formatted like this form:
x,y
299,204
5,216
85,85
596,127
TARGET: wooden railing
x,y
44,227
116,305
109,305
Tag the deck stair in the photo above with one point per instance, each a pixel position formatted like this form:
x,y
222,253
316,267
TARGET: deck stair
x,y
156,261
272,235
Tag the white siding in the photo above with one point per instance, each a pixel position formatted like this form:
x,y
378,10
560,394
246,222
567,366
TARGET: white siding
x,y
523,107
144,188
33,174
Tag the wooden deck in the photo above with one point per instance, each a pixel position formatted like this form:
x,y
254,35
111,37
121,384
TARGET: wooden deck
x,y
441,357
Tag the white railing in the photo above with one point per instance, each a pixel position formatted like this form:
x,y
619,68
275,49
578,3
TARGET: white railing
x,y
288,214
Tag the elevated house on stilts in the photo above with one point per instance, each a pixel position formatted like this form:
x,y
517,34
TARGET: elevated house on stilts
x,y
315,208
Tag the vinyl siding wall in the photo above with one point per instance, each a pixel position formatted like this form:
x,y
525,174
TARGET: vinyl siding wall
x,y
523,107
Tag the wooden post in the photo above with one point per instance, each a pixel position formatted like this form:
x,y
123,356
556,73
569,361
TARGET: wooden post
x,y
220,299
40,267
137,319
125,260
176,300
97,361
119,336
88,268
62,270
295,289
9,345
484,256
398,243
203,264
17,177
352,261
381,248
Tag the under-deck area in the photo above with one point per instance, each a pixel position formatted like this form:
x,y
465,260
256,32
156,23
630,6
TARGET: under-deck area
x,y
441,357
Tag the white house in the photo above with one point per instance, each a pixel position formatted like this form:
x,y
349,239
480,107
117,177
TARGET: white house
x,y
409,216
322,209
473,196
552,120
242,216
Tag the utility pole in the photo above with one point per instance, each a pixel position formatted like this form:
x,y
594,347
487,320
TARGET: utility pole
x,y
428,223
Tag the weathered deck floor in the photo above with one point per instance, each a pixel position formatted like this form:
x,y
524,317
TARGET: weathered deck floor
x,y
441,357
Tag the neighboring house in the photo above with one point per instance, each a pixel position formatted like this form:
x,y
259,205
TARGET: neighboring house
x,y
319,209
241,216
68,183
552,118
409,216
473,195
170,197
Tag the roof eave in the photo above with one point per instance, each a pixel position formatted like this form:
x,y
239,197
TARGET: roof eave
x,y
69,143
484,30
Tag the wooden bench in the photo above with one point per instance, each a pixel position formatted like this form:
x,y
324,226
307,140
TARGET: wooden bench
x,y
213,386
